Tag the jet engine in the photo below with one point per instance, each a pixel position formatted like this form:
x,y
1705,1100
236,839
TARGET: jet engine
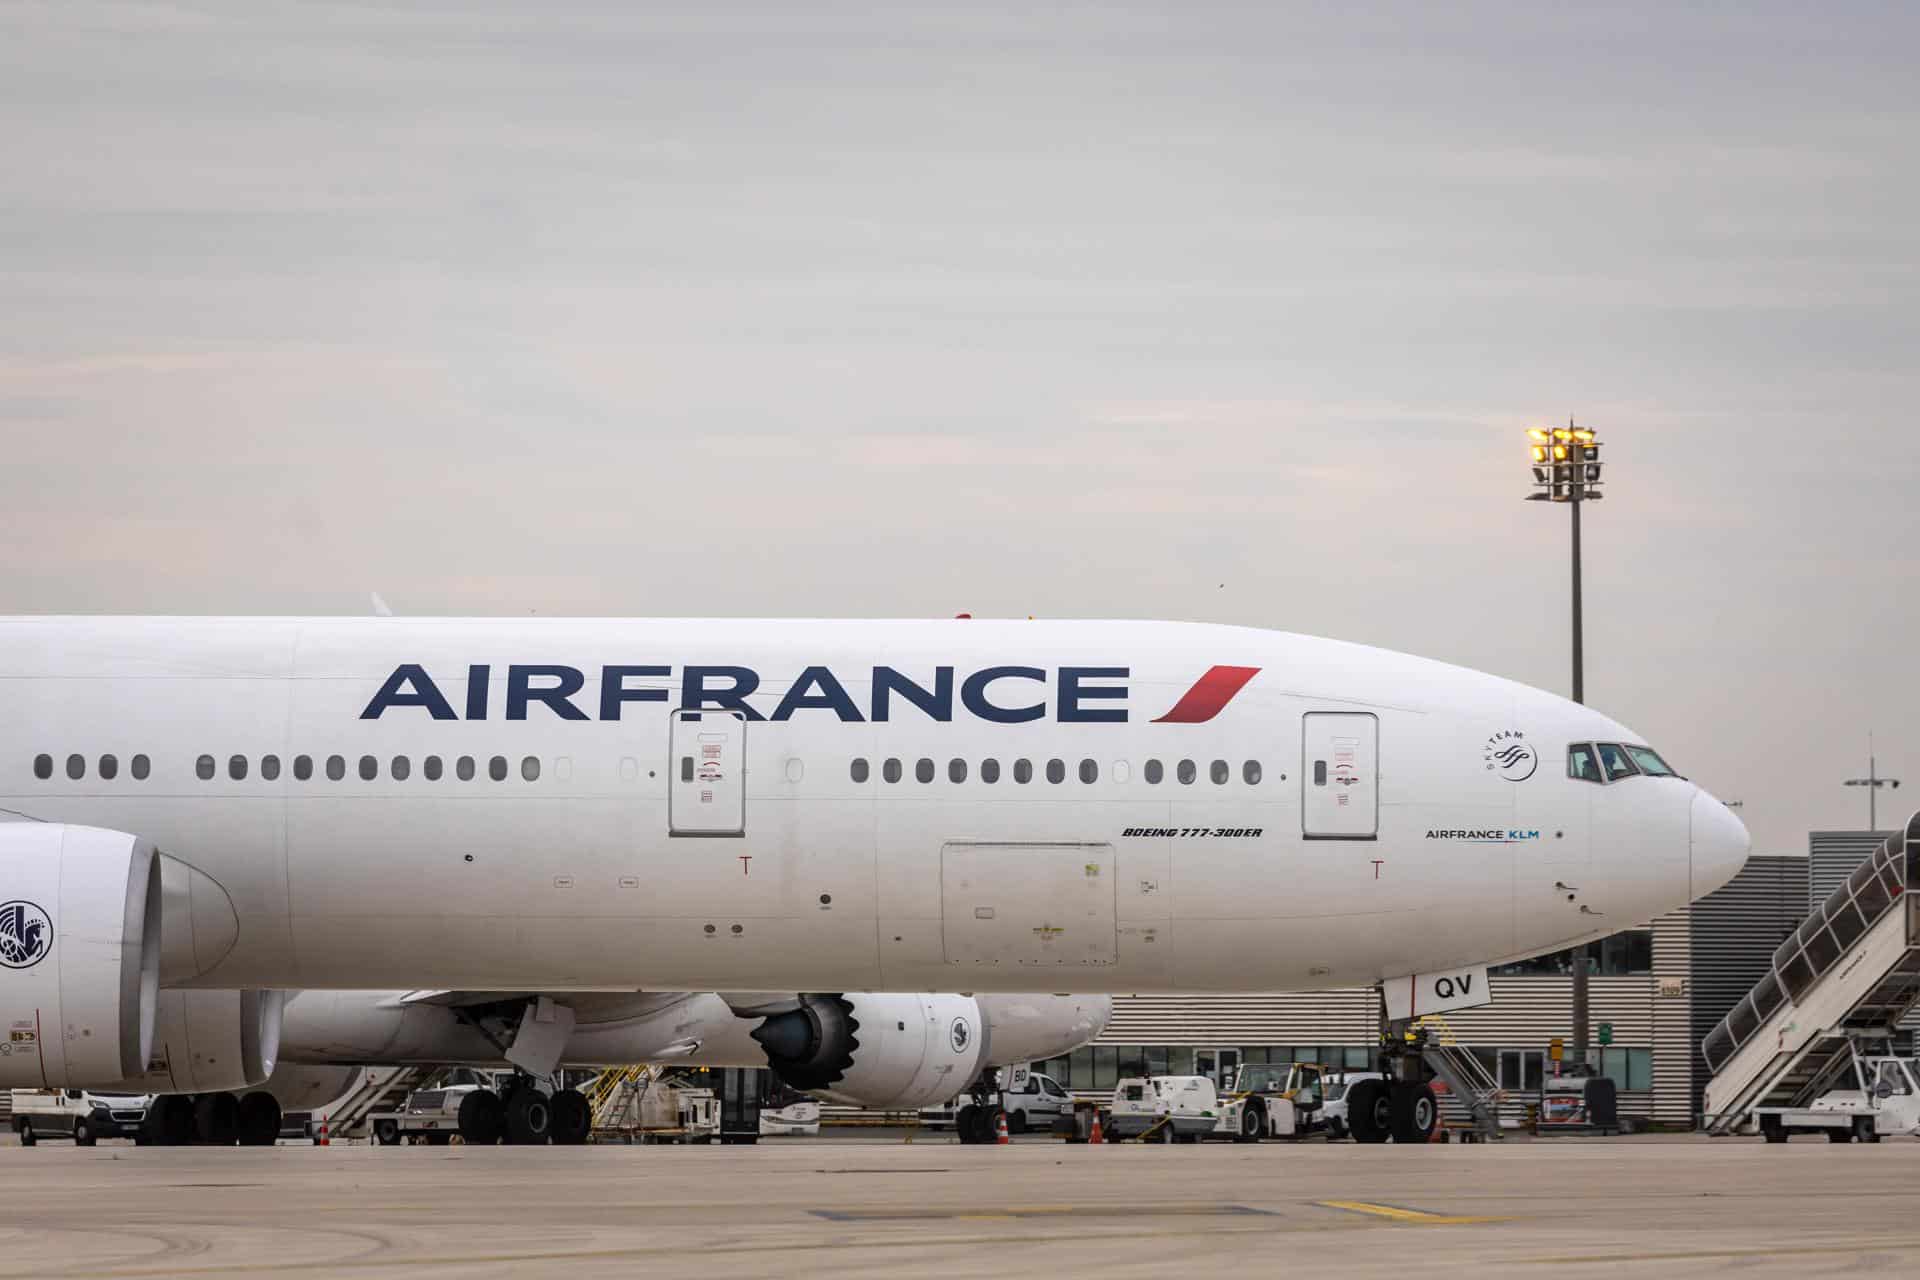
x,y
212,1042
80,912
885,1050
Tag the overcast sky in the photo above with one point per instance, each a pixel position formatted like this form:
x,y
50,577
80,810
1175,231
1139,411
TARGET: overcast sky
x,y
1217,312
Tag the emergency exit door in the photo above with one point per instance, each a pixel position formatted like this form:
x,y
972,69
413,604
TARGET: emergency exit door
x,y
708,794
1340,779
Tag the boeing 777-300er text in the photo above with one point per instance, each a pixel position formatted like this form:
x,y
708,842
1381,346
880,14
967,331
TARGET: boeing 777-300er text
x,y
777,808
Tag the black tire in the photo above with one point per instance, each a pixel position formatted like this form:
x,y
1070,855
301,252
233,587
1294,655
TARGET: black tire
x,y
1016,1122
83,1135
1863,1130
1370,1111
482,1118
1336,1129
259,1119
529,1118
1165,1134
216,1119
170,1120
1416,1113
24,1128
386,1132
1772,1130
572,1118
963,1122
1253,1123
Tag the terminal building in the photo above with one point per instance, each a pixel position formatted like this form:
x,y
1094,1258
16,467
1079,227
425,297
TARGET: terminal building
x,y
1655,991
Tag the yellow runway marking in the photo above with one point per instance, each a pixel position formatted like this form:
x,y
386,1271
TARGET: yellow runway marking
x,y
1416,1217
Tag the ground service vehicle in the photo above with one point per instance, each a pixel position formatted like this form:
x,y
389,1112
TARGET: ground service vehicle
x,y
789,812
1277,1100
1031,1101
1884,1100
77,1114
1165,1108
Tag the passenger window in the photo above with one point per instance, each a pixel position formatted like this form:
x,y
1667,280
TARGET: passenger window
x,y
237,768
369,768
109,768
989,770
1187,772
1089,771
401,768
1613,759
890,770
43,767
1250,773
463,768
1220,771
1056,771
956,770
858,770
923,769
497,768
530,769
1581,763
336,768
270,768
1154,772
141,768
76,767
1023,771
432,768
302,768
203,768
1122,771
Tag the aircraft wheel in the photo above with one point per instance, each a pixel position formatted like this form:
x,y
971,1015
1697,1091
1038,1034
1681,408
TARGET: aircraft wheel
x,y
1253,1122
1416,1113
24,1128
529,1118
1370,1111
482,1118
216,1119
83,1133
259,1119
963,1121
170,1120
572,1117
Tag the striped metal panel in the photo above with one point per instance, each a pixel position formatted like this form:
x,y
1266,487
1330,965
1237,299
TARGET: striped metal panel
x,y
1673,1038
1349,1016
1736,929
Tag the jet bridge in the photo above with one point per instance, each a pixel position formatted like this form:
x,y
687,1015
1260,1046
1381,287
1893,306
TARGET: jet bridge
x,y
1849,973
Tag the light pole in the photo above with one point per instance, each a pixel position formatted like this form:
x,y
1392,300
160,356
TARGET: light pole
x,y
1566,468
1873,782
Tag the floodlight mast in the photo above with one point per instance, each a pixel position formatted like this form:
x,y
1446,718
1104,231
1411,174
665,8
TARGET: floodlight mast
x,y
1566,468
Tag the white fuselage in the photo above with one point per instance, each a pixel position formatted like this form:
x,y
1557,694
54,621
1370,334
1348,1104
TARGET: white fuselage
x,y
1375,816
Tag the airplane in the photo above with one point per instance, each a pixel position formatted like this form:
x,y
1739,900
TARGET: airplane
x,y
795,807
888,1050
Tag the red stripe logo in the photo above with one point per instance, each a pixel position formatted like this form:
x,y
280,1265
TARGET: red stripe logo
x,y
1209,696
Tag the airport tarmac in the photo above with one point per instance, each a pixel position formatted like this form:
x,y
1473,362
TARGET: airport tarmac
x,y
866,1206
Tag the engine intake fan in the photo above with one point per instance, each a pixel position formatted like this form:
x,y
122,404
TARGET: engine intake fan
x,y
811,1047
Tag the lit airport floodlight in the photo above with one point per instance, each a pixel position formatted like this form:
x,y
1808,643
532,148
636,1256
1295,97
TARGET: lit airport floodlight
x,y
1574,457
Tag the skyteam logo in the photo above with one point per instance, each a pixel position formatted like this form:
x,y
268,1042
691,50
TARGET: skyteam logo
x,y
26,934
1507,754
960,1034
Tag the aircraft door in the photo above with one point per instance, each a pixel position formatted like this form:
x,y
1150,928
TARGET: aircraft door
x,y
1340,777
708,754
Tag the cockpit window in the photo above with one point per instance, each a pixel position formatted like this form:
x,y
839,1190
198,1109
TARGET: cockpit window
x,y
1581,763
1650,762
1614,760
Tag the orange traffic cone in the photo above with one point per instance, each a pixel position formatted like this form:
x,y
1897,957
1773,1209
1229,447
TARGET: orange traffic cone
x,y
1000,1138
322,1140
1094,1137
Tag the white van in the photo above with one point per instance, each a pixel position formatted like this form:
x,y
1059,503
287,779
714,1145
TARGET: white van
x,y
1166,1108
74,1113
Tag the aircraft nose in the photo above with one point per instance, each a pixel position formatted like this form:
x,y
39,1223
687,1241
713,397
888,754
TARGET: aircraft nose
x,y
1720,844
1100,1013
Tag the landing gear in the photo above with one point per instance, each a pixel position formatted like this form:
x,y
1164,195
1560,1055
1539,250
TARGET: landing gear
x,y
572,1118
1404,1111
170,1120
529,1117
977,1123
216,1119
482,1118
1416,1112
1370,1110
259,1119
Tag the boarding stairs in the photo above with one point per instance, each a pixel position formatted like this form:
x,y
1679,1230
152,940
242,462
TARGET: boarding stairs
x,y
1470,1087
380,1089
617,1093
1850,973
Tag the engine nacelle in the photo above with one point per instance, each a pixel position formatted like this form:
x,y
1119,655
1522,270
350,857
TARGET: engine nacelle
x,y
80,911
888,1050
212,1042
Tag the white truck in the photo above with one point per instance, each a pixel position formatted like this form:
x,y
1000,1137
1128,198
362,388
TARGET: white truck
x,y
1273,1100
1884,1100
430,1116
1165,1108
1030,1100
74,1113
